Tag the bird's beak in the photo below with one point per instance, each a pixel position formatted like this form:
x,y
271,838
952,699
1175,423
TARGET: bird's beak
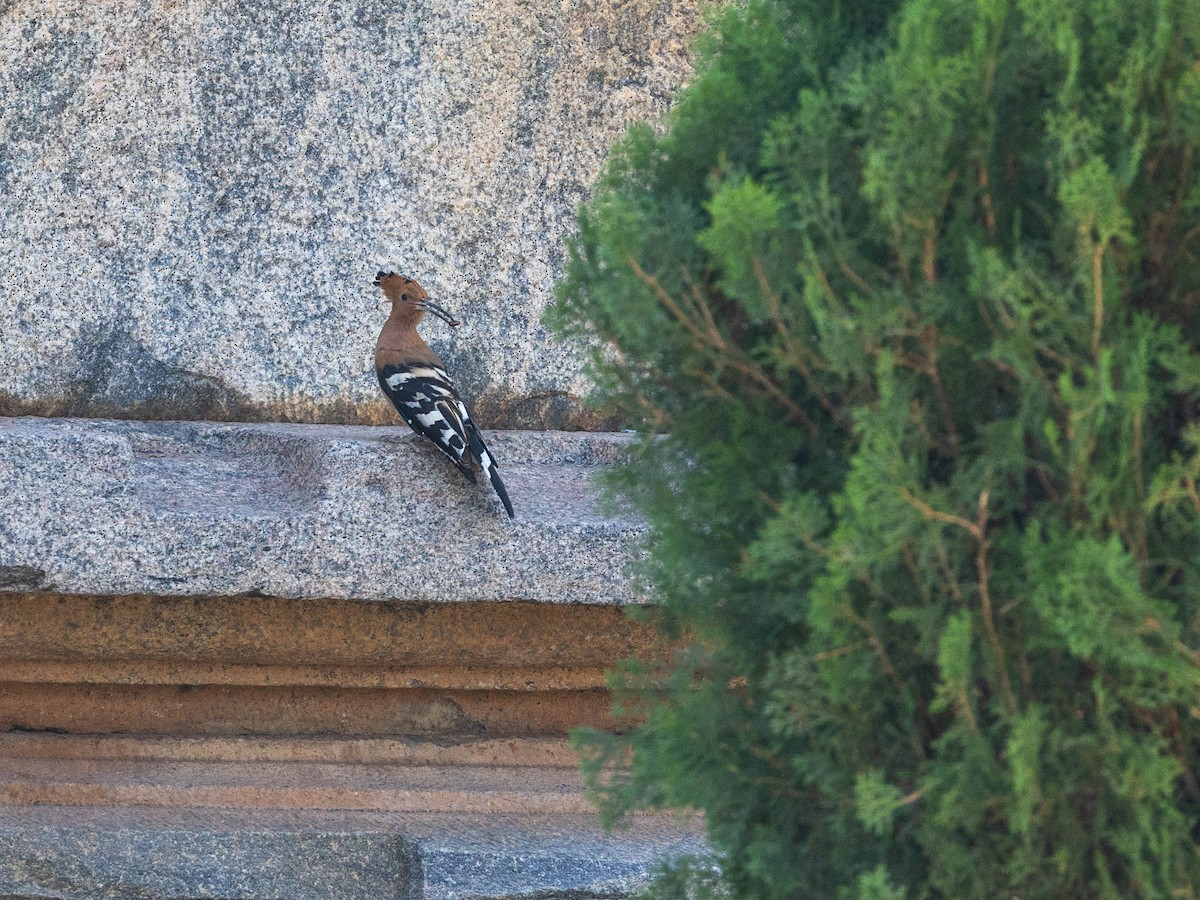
x,y
442,314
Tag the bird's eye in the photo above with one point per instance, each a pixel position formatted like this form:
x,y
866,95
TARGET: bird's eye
x,y
404,296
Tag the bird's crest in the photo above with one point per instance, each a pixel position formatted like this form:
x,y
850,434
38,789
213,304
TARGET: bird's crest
x,y
399,289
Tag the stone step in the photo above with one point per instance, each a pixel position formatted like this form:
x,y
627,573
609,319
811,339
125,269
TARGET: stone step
x,y
130,816
221,710
241,666
552,752
298,786
326,511
85,853
139,853
287,663
393,776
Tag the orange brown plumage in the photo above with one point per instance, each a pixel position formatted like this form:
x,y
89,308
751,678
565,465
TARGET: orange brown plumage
x,y
414,378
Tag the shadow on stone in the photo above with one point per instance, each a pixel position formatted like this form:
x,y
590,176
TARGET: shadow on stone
x,y
120,378
21,578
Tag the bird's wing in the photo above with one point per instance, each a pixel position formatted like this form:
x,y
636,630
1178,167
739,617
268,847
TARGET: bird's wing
x,y
425,396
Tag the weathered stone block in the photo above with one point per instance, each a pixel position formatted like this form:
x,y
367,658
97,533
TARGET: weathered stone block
x,y
195,195
146,854
96,507
141,859
272,667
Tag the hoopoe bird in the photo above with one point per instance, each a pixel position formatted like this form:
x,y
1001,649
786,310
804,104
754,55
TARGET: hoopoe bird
x,y
415,380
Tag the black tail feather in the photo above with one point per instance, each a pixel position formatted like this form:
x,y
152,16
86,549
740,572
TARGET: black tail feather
x,y
500,491
480,451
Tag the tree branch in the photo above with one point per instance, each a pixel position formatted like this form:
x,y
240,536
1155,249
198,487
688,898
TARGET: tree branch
x,y
729,354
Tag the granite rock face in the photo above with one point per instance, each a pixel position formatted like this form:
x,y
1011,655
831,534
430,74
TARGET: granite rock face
x,y
349,512
71,861
146,854
195,195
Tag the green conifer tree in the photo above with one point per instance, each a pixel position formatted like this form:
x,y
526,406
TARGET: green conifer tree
x,y
906,299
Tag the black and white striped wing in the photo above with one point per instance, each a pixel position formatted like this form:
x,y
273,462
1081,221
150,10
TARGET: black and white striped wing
x,y
425,396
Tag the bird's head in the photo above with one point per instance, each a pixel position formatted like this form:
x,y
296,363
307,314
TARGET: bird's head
x,y
405,294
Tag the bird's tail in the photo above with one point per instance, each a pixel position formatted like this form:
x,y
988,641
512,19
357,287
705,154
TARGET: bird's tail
x,y
493,474
480,451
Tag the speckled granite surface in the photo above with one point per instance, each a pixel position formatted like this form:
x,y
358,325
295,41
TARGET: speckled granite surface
x,y
84,853
71,854
110,507
194,195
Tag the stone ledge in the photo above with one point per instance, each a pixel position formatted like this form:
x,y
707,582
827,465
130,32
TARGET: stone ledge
x,y
87,816
349,512
238,666
70,855
540,752
83,853
300,786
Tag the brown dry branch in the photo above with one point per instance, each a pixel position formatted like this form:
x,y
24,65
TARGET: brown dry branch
x,y
774,504
876,643
948,518
962,702
775,308
797,355
1189,484
916,415
854,278
989,212
927,365
625,376
985,602
885,663
901,256
929,343
824,280
1140,540
1097,298
929,252
1023,666
709,338
715,389
978,530
910,563
1006,368
835,245
986,315
825,655
948,574
701,304
1005,316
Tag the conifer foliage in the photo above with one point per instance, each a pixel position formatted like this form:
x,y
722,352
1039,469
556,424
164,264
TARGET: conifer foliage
x,y
907,300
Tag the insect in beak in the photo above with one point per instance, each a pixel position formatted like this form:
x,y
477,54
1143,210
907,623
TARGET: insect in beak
x,y
441,314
